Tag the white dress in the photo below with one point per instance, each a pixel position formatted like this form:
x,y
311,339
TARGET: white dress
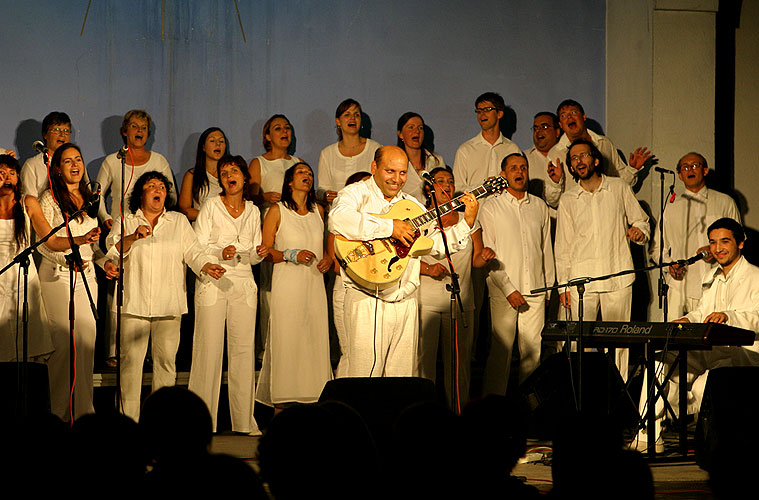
x,y
296,360
12,298
272,178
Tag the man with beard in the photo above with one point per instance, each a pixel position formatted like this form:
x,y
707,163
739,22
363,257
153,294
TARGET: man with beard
x,y
597,216
517,229
572,120
545,135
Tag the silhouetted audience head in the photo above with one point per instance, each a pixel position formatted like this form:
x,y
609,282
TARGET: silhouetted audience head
x,y
317,451
176,426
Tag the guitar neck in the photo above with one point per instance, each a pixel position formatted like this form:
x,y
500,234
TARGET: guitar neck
x,y
445,208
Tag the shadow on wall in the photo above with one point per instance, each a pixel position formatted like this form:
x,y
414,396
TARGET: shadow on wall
x,y
27,132
751,245
508,124
188,155
110,136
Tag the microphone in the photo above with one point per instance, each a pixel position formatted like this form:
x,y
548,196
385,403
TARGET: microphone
x,y
93,204
122,152
39,147
427,178
692,260
664,170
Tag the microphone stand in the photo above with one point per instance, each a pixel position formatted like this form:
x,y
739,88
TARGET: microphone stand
x,y
663,286
23,260
580,283
120,285
455,291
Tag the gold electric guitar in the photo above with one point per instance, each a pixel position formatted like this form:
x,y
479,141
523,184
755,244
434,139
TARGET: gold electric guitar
x,y
378,264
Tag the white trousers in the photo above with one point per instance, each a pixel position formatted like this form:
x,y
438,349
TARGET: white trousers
x,y
529,319
614,306
435,328
234,303
265,270
382,336
135,333
54,283
338,313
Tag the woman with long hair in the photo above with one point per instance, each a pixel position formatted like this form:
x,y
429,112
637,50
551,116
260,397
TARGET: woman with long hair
x,y
350,154
70,193
157,247
14,238
296,359
229,227
267,172
420,159
200,182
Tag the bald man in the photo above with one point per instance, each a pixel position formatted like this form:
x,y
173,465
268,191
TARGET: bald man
x,y
382,326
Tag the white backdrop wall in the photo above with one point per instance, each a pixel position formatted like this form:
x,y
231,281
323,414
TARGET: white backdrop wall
x,y
301,58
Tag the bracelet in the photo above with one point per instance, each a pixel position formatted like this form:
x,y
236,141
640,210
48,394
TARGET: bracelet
x,y
291,255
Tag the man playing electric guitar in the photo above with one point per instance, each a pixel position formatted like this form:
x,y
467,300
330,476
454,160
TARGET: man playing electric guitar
x,y
382,324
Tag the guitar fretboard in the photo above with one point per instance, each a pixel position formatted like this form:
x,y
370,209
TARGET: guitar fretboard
x,y
431,215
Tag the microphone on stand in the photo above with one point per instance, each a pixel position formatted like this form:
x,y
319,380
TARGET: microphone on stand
x,y
692,260
427,178
93,204
664,170
122,152
39,147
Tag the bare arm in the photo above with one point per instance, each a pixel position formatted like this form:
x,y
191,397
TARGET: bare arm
x,y
271,226
185,197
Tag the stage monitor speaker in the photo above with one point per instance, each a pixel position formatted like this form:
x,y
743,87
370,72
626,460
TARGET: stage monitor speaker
x,y
379,400
38,390
549,394
728,415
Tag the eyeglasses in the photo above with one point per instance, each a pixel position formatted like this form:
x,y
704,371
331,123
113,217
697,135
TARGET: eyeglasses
x,y
692,166
576,158
60,131
484,110
544,126
567,114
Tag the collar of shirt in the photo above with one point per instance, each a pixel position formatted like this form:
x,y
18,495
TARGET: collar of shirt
x,y
700,195
564,140
514,200
577,190
721,276
375,189
139,214
481,140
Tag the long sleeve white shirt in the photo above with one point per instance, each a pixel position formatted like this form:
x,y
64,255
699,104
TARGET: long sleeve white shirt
x,y
351,216
109,178
591,233
685,224
89,252
613,165
154,267
519,232
216,229
735,294
477,160
538,169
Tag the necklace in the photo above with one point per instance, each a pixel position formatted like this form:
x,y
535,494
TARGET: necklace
x,y
236,210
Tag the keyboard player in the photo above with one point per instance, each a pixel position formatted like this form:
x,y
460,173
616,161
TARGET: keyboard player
x,y
730,296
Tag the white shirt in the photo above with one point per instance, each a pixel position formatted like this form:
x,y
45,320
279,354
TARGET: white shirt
x,y
216,229
613,165
414,183
433,294
538,167
34,176
351,216
109,178
685,224
477,160
519,232
736,295
154,267
54,217
334,168
591,233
